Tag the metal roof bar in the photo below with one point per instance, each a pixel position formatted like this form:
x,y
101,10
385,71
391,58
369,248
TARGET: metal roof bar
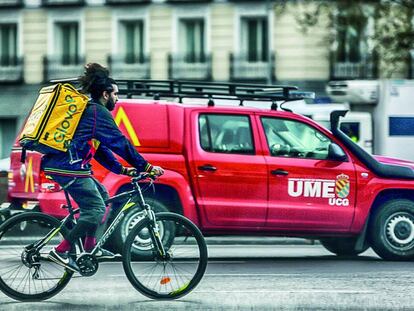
x,y
210,90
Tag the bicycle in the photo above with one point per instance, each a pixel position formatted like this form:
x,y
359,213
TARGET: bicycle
x,y
164,255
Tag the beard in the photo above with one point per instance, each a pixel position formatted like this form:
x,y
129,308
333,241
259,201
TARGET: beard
x,y
110,105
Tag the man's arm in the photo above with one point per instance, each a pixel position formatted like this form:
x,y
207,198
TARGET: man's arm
x,y
106,158
111,137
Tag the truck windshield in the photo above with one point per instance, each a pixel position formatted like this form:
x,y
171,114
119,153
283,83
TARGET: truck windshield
x,y
295,139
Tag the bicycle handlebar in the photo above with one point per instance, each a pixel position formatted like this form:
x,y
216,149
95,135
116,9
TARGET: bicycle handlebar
x,y
142,176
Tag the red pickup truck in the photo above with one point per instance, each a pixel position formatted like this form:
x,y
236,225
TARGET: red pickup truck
x,y
248,171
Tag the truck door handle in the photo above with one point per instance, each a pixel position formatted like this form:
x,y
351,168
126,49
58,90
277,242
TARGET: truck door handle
x,y
207,167
279,172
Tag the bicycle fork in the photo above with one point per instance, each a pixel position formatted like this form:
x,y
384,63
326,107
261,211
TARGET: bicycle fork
x,y
155,233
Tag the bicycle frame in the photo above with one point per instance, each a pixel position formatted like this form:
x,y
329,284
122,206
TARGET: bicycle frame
x,y
147,212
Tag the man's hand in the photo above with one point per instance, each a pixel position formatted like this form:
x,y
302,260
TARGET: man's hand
x,y
129,171
157,171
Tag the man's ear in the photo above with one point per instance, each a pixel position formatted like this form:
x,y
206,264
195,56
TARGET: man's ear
x,y
105,95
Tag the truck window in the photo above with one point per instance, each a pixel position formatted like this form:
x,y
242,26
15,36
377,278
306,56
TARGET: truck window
x,y
295,139
351,129
226,133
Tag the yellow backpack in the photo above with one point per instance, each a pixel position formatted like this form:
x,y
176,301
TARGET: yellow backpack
x,y
53,119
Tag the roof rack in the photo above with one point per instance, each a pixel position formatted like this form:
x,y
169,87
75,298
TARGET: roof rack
x,y
211,90
208,90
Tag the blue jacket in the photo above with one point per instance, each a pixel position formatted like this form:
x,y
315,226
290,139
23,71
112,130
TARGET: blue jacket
x,y
96,136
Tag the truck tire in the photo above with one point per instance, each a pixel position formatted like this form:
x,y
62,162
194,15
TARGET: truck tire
x,y
128,222
392,230
342,246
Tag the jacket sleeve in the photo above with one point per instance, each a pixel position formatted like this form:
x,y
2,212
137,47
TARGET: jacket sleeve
x,y
109,135
106,158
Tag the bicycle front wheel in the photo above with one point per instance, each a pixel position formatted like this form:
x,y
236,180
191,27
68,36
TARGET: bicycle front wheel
x,y
179,271
26,274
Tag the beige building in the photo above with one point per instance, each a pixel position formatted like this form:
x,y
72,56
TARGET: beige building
x,y
216,40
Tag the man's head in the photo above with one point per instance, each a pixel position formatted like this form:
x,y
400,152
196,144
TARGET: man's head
x,y
102,88
110,97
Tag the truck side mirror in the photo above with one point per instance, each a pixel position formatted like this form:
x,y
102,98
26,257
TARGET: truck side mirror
x,y
335,153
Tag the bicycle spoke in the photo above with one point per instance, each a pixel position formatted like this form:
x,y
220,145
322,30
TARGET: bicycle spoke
x,y
25,272
179,270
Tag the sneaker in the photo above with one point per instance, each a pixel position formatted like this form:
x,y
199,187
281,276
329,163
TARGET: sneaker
x,y
102,253
63,259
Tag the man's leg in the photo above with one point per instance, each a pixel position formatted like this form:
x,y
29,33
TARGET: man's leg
x,y
91,234
92,207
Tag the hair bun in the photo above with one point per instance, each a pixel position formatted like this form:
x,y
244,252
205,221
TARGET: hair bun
x,y
95,69
94,74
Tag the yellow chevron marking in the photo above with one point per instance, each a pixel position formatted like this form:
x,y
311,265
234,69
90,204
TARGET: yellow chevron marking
x,y
29,182
121,117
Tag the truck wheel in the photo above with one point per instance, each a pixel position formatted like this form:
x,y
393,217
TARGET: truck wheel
x,y
130,219
342,246
392,230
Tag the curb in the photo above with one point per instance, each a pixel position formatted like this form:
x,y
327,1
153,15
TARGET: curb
x,y
237,240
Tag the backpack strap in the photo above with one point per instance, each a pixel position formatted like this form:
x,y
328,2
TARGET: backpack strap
x,y
23,155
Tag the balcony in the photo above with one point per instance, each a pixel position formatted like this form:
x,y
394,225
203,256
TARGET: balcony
x,y
243,69
189,67
188,1
367,68
129,68
11,4
60,3
11,70
120,2
58,67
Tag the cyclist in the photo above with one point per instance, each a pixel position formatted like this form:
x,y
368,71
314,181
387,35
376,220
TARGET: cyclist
x,y
96,136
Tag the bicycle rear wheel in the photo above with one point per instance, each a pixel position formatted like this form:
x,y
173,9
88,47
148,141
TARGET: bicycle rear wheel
x,y
180,271
26,274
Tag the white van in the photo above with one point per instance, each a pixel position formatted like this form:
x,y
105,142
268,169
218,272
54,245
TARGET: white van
x,y
357,125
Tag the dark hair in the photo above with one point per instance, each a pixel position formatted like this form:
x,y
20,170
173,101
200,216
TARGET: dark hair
x,y
96,80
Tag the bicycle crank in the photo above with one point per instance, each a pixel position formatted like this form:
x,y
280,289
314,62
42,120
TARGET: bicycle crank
x,y
88,264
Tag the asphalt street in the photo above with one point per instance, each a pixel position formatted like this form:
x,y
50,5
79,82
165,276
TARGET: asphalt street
x,y
253,277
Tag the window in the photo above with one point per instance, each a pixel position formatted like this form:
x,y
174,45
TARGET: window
x,y
8,45
132,41
350,39
226,134
254,39
67,42
287,138
351,129
192,40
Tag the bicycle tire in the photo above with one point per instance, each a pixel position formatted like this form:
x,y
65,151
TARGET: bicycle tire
x,y
187,250
19,277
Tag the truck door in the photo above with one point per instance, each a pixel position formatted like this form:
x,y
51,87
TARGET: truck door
x,y
307,191
231,179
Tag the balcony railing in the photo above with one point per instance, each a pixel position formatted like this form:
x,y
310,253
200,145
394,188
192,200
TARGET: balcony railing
x,y
243,69
11,3
63,2
11,71
187,1
115,2
364,69
57,67
189,67
126,68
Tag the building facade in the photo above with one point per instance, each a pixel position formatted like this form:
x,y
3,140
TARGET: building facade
x,y
216,40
